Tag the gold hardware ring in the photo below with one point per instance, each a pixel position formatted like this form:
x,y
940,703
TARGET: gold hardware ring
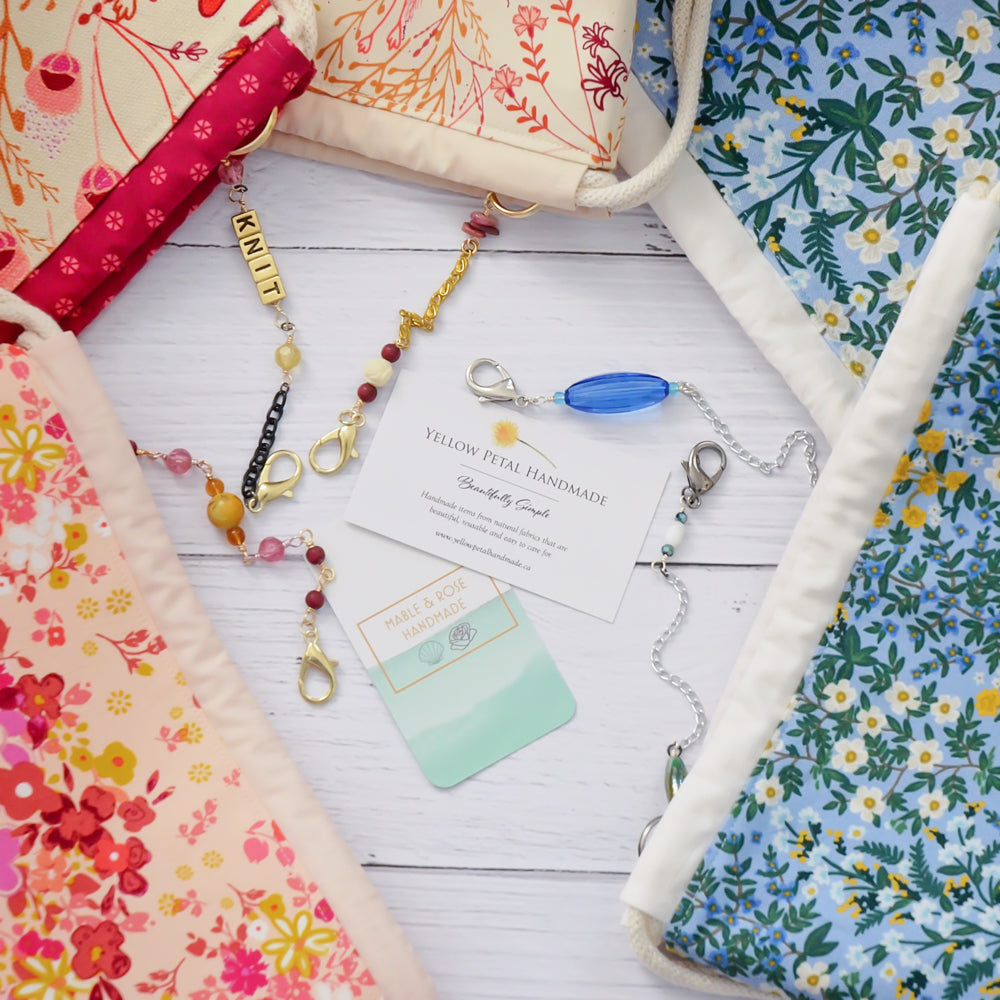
x,y
493,202
260,138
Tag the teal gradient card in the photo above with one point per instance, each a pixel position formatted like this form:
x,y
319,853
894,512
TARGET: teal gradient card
x,y
452,652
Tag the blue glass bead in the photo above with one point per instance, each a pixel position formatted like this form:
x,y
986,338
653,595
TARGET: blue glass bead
x,y
616,392
667,550
681,516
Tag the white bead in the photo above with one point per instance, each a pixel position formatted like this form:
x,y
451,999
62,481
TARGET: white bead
x,y
378,371
674,534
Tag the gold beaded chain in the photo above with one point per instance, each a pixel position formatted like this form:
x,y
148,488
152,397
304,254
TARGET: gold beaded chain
x,y
378,371
257,488
225,511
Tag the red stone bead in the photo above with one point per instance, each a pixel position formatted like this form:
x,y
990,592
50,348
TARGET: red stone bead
x,y
315,599
135,447
474,231
485,222
315,554
391,353
367,392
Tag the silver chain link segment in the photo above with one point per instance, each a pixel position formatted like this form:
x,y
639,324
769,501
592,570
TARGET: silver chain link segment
x,y
675,680
742,452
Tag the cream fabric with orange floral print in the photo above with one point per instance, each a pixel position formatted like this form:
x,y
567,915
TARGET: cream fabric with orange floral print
x,y
521,98
154,836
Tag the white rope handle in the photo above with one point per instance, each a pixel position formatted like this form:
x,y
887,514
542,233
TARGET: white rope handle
x,y
37,325
598,188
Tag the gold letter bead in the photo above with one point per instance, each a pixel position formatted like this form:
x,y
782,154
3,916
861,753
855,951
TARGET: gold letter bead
x,y
271,292
246,224
253,246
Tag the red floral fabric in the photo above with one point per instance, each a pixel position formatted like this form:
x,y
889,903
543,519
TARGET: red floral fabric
x,y
135,859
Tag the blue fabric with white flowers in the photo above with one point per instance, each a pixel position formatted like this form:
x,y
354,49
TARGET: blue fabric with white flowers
x,y
861,860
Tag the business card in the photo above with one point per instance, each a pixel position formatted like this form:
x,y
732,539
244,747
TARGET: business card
x,y
525,497
452,652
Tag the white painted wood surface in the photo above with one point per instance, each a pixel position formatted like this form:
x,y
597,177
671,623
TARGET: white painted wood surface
x,y
508,883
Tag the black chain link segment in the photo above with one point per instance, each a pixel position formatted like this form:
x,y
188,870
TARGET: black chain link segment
x,y
252,476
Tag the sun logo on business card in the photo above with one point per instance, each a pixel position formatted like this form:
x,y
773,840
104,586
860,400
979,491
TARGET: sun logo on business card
x,y
505,435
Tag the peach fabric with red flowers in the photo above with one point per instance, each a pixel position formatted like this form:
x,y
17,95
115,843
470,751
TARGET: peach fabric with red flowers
x,y
88,190
135,856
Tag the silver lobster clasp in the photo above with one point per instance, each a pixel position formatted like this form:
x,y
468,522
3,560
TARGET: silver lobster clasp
x,y
501,391
700,481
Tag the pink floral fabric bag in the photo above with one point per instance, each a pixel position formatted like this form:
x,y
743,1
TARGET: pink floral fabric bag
x,y
155,837
116,119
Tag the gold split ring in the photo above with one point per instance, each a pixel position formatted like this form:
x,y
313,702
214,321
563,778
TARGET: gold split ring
x,y
260,138
494,203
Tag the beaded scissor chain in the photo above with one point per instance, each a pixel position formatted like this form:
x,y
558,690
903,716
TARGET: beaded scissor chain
x,y
624,392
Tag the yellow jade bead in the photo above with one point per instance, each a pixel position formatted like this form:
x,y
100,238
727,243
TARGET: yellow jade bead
x,y
225,511
287,356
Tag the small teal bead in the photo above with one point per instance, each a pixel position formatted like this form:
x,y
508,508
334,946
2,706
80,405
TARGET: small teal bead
x,y
681,516
559,397
667,550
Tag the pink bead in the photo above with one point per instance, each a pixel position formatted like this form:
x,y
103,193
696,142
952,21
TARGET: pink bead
x,y
271,549
484,222
231,172
470,230
178,461
315,599
315,554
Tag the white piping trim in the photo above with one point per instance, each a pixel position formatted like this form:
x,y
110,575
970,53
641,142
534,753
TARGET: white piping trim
x,y
819,558
750,288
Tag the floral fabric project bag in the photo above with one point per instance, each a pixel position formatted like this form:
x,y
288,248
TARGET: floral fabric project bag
x,y
115,121
836,837
155,837
527,100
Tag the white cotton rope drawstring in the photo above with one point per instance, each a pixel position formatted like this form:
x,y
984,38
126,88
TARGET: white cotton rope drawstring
x,y
598,188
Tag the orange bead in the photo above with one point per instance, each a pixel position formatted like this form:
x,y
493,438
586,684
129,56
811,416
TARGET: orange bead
x,y
236,536
213,487
225,511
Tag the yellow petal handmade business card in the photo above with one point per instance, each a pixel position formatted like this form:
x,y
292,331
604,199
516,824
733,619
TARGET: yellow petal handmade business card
x,y
452,653
531,499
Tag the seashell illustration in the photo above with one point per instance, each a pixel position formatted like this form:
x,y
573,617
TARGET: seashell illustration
x,y
431,652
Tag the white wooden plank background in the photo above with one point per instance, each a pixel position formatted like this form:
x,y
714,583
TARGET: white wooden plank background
x,y
508,883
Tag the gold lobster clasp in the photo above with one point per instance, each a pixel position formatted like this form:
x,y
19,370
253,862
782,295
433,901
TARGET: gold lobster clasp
x,y
315,659
345,435
266,489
